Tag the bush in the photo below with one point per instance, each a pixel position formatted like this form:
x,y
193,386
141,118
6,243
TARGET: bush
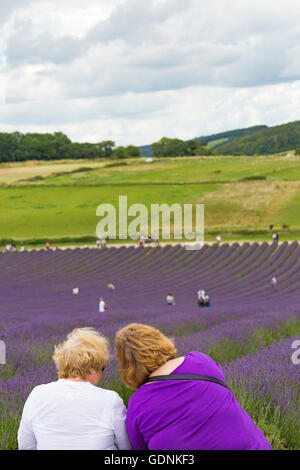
x,y
253,178
35,178
110,165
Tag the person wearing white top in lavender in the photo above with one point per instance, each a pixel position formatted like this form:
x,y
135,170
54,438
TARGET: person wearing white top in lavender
x,y
201,297
102,305
73,413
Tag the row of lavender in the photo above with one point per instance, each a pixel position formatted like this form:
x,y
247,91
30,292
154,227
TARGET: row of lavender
x,y
37,309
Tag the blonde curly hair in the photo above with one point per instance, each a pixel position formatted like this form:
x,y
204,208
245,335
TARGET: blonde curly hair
x,y
83,350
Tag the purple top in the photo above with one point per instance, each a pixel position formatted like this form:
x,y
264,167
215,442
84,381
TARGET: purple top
x,y
191,415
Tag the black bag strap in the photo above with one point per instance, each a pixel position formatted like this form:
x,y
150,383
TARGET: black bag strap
x,y
206,378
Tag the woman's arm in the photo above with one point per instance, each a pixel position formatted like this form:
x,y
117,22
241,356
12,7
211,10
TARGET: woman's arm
x,y
26,437
119,426
137,440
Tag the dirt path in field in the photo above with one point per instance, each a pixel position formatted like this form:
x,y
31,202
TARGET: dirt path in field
x,y
14,173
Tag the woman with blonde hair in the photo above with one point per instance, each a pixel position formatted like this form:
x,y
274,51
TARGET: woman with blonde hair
x,y
73,413
180,403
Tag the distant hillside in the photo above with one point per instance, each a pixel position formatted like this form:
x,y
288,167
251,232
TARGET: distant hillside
x,y
265,141
146,150
215,140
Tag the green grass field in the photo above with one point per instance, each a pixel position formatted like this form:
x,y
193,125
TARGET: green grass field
x,y
242,195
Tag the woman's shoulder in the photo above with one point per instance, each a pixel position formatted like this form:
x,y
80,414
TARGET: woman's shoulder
x,y
41,390
204,358
84,386
197,362
111,394
43,387
198,355
110,397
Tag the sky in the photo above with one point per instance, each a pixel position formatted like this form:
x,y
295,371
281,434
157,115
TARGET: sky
x,y
134,71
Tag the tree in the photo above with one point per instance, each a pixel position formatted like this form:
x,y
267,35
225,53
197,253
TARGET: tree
x,y
166,147
120,152
133,151
106,148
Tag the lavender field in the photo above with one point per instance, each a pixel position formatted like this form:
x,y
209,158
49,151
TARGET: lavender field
x,y
249,327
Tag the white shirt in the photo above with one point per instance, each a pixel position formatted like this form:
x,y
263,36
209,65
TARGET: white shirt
x,y
201,294
101,306
70,415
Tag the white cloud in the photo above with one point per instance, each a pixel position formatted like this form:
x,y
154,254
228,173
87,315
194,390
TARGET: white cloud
x,y
140,69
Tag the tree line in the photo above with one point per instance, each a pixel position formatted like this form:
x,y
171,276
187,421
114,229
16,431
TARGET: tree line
x,y
18,147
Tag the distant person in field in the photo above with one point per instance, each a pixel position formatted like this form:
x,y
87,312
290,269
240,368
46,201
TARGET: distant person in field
x,y
173,407
141,241
274,282
111,286
219,239
103,243
73,413
207,301
102,305
201,297
47,246
75,291
170,299
22,247
98,243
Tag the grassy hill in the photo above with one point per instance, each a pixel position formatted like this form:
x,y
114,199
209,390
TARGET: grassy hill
x,y
264,141
242,195
214,140
255,140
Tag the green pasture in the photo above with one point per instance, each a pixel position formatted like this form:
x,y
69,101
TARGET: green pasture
x,y
168,170
213,143
31,212
242,195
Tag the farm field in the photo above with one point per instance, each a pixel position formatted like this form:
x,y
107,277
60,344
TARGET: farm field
x,y
161,171
249,328
242,195
11,173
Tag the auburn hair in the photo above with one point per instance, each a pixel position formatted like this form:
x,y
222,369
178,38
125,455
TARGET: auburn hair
x,y
141,349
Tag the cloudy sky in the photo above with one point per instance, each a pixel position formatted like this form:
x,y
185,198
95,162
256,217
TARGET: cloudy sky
x,y
136,70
